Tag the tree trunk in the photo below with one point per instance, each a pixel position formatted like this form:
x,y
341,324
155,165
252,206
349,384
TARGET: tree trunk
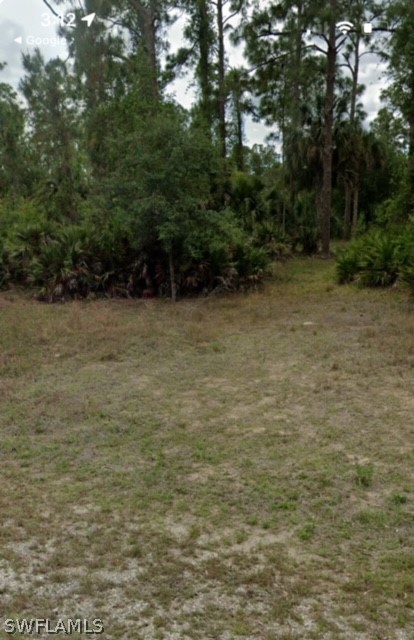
x,y
291,154
297,79
151,46
355,207
328,135
172,276
221,80
148,21
355,78
410,162
204,72
351,189
284,218
347,211
239,126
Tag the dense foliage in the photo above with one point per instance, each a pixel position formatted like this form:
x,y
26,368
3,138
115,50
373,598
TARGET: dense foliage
x,y
108,186
379,258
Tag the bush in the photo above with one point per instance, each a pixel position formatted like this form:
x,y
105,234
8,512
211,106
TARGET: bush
x,y
388,212
371,260
4,274
101,255
378,259
347,266
269,236
307,228
220,254
250,260
406,257
407,275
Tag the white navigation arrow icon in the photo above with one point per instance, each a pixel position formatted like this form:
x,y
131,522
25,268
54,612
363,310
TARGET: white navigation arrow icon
x,y
19,40
89,18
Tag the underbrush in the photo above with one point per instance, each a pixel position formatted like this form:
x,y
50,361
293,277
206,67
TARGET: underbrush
x,y
106,257
379,259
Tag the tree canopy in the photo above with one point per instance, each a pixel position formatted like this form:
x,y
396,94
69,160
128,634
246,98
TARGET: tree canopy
x,y
107,185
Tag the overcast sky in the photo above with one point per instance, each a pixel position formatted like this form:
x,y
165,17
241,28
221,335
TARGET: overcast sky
x,y
28,20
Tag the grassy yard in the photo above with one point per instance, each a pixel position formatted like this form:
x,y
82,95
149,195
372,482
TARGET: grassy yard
x,y
229,468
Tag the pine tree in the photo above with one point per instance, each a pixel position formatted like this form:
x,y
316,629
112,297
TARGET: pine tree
x,y
13,173
49,90
400,57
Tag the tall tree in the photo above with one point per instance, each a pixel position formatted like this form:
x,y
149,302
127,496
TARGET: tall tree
x,y
284,76
208,21
226,10
357,46
400,58
238,85
12,143
326,194
284,42
49,90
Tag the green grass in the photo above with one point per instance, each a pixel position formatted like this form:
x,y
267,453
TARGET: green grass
x,y
229,467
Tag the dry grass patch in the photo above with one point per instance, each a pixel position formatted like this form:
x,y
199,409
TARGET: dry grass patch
x,y
224,468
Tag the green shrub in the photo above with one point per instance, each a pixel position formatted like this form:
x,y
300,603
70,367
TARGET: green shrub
x,y
371,260
23,244
347,265
250,260
4,273
268,234
307,228
102,255
388,212
407,275
379,258
378,266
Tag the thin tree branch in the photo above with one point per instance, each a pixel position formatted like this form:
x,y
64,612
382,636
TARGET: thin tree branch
x,y
231,16
51,8
315,46
266,62
265,34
